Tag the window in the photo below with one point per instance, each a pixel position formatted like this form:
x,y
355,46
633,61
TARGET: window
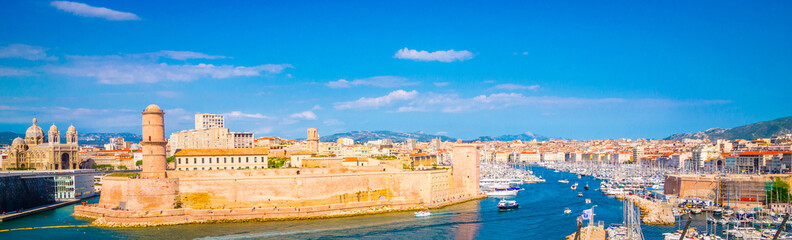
x,y
195,160
247,160
179,160
210,160
255,159
224,160
232,159
195,168
202,160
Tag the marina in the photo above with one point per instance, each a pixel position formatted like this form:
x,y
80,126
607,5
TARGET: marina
x,y
541,204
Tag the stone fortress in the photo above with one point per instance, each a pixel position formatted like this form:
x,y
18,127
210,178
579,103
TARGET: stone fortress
x,y
163,197
34,153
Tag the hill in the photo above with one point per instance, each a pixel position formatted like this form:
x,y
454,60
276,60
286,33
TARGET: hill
x,y
365,136
509,137
84,138
764,129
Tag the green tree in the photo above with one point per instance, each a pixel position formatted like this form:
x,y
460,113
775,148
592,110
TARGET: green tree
x,y
777,191
139,162
171,159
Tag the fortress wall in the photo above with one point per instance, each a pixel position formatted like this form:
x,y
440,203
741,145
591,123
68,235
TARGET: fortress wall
x,y
152,193
216,189
113,191
139,193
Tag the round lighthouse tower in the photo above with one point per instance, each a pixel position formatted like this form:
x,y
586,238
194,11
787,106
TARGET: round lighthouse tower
x,y
154,161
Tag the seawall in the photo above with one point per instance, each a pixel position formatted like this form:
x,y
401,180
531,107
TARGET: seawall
x,y
120,218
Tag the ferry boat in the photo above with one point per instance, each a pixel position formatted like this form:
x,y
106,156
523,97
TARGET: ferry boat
x,y
422,214
508,204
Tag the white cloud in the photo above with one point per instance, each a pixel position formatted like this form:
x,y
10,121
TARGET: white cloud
x,y
401,101
378,81
184,55
316,107
441,133
489,81
145,68
308,115
85,10
25,52
440,56
10,72
509,86
239,114
441,84
332,122
370,103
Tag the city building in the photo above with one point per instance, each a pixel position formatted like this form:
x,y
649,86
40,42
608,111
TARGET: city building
x,y
221,159
313,140
34,153
345,141
208,120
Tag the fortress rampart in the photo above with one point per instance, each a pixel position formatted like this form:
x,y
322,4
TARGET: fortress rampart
x,y
161,197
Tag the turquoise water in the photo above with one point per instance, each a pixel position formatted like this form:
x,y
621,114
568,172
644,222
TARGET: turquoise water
x,y
540,216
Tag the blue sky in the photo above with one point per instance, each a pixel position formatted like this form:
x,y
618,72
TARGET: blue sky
x,y
571,69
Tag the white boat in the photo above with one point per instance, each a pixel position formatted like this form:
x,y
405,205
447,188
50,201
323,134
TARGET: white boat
x,y
422,214
563,181
573,187
501,193
588,201
567,211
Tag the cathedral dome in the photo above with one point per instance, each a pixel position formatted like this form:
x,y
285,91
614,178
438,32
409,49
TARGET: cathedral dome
x,y
34,131
17,141
71,129
53,129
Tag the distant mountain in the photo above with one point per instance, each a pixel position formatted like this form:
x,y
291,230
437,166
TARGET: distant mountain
x,y
8,137
509,137
102,138
365,136
84,138
764,129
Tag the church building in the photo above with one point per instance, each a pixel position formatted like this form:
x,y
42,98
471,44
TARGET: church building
x,y
35,154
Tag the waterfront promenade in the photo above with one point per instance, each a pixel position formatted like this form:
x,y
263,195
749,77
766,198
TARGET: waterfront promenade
x,y
26,212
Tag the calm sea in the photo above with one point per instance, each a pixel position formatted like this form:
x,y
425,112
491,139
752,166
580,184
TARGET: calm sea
x,y
540,216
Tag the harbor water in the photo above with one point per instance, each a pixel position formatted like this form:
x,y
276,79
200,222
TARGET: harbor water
x,y
540,216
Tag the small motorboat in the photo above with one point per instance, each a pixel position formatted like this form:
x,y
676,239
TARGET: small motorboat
x,y
567,211
586,187
563,181
696,210
508,204
422,214
588,201
580,194
573,187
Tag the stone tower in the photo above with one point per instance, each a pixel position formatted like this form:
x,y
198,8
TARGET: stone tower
x,y
54,135
313,140
154,161
71,135
465,168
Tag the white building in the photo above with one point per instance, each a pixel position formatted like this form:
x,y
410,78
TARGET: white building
x,y
208,120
